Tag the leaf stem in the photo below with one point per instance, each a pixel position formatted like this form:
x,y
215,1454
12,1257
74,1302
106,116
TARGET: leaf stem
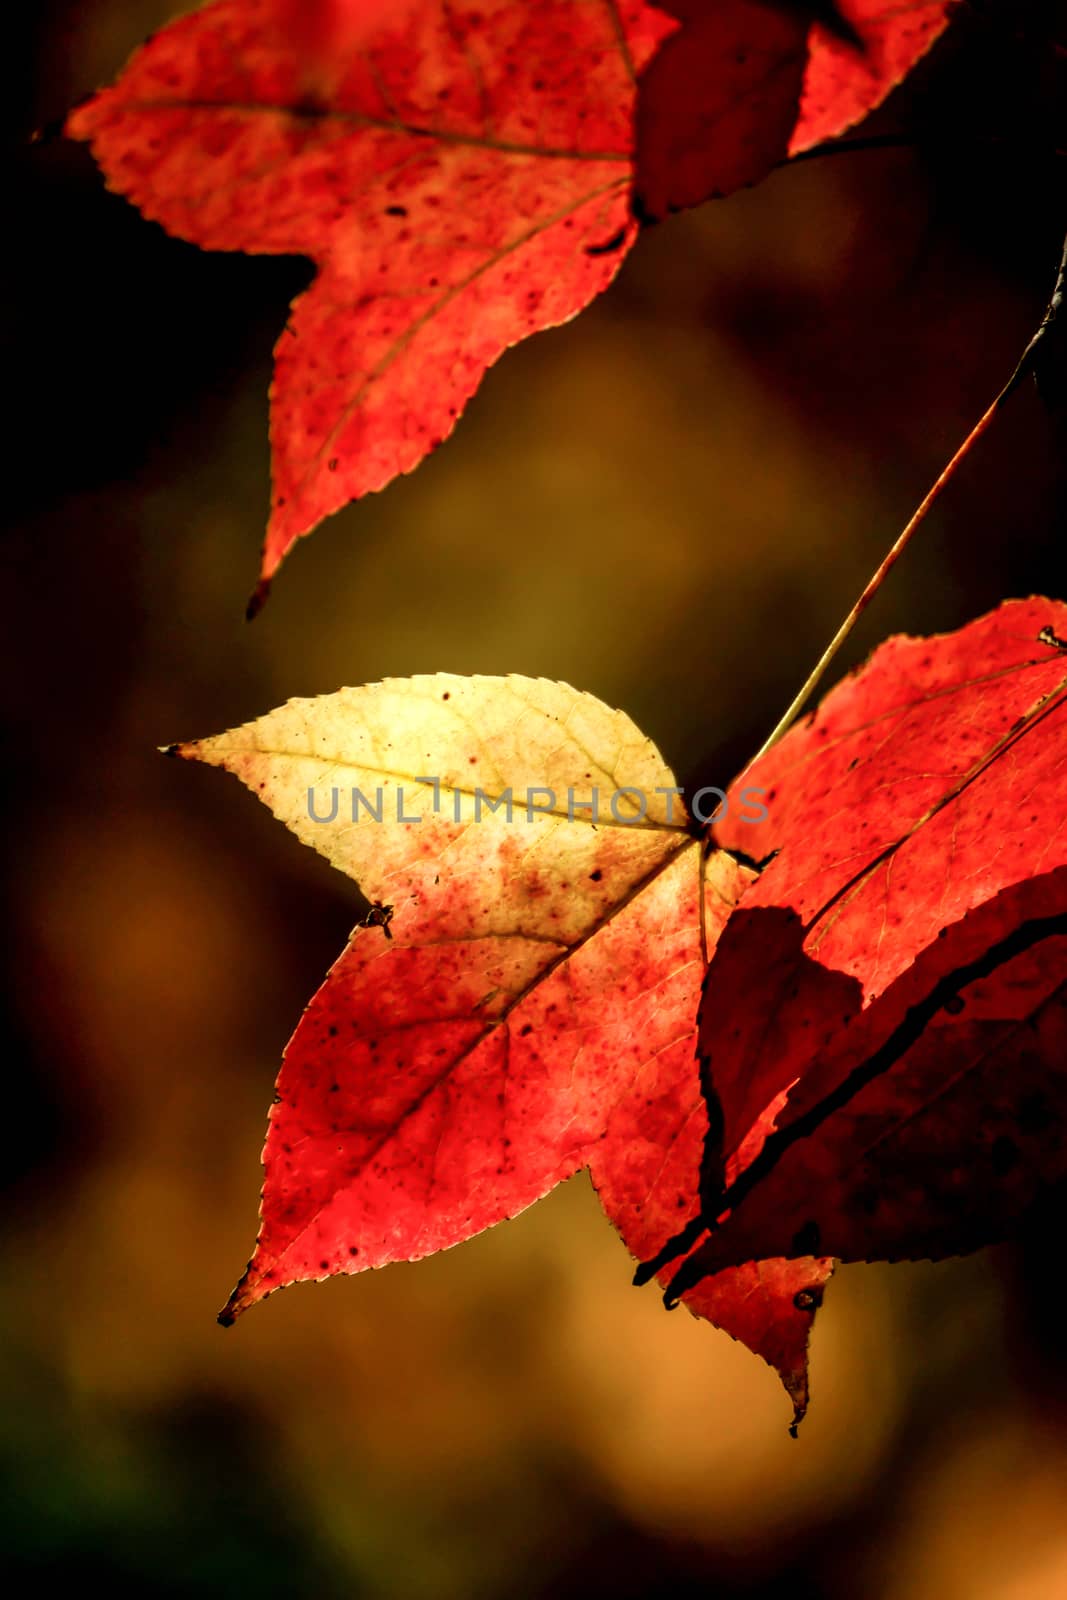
x,y
875,582
1028,362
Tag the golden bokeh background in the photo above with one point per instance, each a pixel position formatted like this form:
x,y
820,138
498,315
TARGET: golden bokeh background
x,y
670,502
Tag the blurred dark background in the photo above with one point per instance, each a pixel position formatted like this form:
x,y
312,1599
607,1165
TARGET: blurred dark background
x,y
670,502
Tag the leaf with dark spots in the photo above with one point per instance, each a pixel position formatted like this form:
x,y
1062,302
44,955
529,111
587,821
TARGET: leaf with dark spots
x,y
454,169
534,1012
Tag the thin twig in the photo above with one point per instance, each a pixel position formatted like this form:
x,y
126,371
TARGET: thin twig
x,y
876,581
1027,363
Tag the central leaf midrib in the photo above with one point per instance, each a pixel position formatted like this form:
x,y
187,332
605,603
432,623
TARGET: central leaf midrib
x,y
360,119
346,765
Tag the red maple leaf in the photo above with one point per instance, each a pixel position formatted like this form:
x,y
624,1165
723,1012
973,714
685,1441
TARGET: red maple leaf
x,y
743,84
913,919
524,1001
459,171
533,1008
